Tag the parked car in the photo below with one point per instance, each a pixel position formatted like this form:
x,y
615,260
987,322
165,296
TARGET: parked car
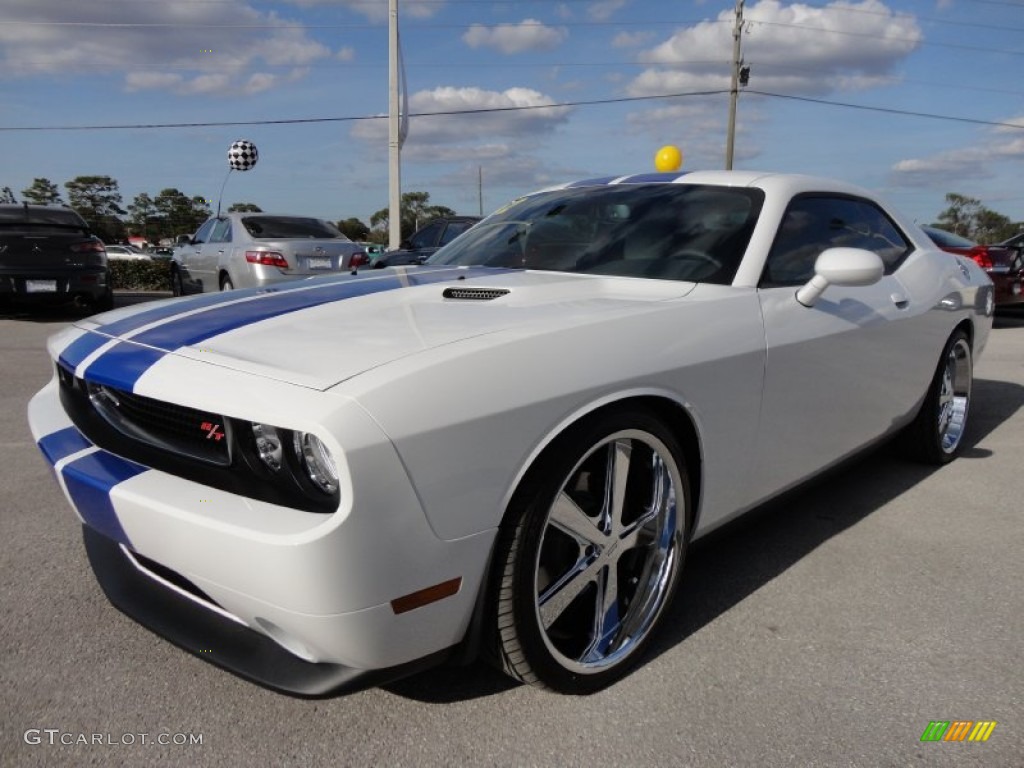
x,y
351,477
254,250
49,256
426,240
1004,263
126,253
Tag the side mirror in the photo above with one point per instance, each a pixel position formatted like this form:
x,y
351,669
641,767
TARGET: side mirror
x,y
841,266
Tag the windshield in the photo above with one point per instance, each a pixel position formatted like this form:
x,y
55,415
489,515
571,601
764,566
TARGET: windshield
x,y
662,231
290,227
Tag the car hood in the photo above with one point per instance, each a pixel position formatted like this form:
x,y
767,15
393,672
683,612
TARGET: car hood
x,y
321,331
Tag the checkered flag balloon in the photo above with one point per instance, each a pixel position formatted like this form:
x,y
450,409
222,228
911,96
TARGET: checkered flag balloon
x,y
242,155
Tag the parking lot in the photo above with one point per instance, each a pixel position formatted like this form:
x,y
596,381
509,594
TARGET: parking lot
x,y
827,629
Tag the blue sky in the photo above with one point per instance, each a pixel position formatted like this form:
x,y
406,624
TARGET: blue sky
x,y
135,62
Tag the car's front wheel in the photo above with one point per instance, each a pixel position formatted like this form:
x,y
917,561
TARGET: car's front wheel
x,y
591,553
226,284
936,434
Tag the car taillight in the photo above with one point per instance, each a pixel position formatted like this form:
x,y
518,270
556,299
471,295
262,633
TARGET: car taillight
x,y
359,259
88,246
980,254
266,258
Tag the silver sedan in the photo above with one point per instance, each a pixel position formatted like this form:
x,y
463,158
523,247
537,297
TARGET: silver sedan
x,y
252,250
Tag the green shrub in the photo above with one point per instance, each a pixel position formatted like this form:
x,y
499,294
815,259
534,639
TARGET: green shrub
x,y
152,275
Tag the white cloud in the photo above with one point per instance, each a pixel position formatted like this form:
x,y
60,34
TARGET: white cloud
x,y
997,146
464,130
793,49
527,35
346,54
180,46
260,81
377,10
604,9
631,39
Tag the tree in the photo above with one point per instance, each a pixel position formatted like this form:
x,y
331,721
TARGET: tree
x,y
967,217
98,201
354,229
144,218
42,192
415,213
7,196
180,214
245,208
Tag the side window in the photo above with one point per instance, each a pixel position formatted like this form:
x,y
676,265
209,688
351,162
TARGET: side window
x,y
203,233
454,229
427,237
813,224
221,231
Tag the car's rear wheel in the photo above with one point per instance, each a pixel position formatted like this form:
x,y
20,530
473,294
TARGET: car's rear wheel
x,y
591,553
936,434
177,287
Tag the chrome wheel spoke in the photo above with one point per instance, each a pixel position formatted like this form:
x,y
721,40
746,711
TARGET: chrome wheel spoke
x,y
607,621
567,517
616,481
560,595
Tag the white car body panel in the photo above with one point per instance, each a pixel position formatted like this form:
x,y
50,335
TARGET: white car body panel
x,y
434,409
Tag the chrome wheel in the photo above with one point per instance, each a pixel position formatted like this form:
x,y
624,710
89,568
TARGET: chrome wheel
x,y
595,554
936,434
608,551
954,395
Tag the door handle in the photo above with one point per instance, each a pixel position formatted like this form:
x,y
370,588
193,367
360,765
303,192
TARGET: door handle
x,y
901,301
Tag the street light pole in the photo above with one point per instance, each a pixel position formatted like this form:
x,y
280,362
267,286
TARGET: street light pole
x,y
394,138
734,88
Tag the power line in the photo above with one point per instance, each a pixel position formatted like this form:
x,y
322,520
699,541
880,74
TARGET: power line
x,y
489,110
886,110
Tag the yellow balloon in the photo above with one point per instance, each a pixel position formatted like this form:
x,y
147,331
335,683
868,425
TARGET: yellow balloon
x,y
669,158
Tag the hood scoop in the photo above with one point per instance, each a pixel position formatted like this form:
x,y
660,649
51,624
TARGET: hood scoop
x,y
474,294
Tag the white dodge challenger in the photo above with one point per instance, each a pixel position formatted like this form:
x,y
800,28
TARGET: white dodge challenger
x,y
337,481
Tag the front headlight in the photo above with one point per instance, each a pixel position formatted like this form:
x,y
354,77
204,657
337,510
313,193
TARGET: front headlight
x,y
318,461
291,463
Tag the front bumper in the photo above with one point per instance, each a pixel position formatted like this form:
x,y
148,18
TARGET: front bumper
x,y
318,588
220,640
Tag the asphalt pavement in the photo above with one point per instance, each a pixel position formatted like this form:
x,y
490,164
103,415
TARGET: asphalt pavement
x,y
828,629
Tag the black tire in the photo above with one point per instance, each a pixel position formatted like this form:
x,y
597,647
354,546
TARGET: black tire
x,y
106,302
177,286
226,284
550,586
935,436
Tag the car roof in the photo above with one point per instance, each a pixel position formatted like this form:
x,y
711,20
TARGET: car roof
x,y
791,183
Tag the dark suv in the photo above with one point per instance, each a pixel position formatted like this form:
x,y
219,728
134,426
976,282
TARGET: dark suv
x,y
49,256
426,240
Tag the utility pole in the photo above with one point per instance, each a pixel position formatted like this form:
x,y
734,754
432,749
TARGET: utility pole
x,y
394,137
480,187
734,89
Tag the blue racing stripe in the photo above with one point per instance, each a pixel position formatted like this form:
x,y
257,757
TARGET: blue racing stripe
x,y
122,365
592,182
89,481
74,353
62,443
645,178
206,325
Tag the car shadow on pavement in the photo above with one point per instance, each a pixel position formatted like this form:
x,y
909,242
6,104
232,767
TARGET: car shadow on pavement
x,y
729,565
